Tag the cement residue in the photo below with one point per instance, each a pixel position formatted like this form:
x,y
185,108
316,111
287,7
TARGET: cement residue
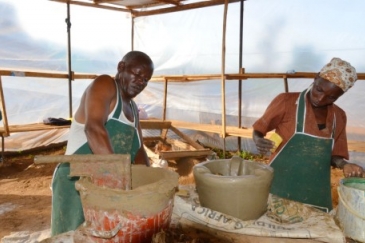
x,y
6,207
152,190
236,187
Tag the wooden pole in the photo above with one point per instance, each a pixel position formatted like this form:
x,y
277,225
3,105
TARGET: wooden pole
x,y
223,80
3,111
164,99
286,86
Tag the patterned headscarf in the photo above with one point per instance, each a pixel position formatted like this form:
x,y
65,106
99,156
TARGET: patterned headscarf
x,y
339,72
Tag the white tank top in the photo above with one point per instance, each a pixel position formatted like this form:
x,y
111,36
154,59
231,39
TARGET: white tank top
x,y
77,136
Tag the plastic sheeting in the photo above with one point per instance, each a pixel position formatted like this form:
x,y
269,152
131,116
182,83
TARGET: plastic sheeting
x,y
279,36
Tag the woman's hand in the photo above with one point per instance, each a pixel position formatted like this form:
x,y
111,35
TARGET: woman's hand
x,y
263,145
352,170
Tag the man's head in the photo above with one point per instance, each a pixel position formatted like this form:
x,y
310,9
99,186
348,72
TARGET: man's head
x,y
339,72
134,72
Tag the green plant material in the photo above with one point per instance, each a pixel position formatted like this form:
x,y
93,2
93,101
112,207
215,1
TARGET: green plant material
x,y
250,156
243,154
221,155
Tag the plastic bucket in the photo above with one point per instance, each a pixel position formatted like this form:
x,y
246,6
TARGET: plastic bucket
x,y
351,208
236,187
113,215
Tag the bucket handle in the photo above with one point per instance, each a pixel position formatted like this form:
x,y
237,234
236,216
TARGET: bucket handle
x,y
348,206
88,230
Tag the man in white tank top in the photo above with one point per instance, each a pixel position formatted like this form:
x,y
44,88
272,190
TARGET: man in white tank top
x,y
106,122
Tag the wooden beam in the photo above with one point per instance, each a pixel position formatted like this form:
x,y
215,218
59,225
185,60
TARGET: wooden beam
x,y
231,130
184,153
155,124
311,75
186,78
31,127
238,76
186,138
150,153
169,78
181,7
164,134
270,75
164,100
85,4
356,146
161,9
181,145
19,73
174,2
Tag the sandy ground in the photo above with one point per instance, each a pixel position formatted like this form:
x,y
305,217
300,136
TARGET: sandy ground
x,y
25,196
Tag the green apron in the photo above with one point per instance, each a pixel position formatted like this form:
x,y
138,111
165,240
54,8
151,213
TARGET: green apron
x,y
302,168
67,213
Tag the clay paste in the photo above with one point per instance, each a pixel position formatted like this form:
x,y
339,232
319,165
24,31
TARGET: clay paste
x,y
236,187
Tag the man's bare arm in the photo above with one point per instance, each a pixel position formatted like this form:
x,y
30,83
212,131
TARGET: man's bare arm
x,y
98,102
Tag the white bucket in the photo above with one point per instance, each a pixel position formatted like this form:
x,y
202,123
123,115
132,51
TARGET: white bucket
x,y
351,208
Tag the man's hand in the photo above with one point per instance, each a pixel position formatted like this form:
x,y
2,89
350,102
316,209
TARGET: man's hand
x,y
352,170
263,145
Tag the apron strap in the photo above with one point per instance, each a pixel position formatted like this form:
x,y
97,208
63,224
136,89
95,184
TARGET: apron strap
x,y
118,110
301,111
135,112
301,114
333,125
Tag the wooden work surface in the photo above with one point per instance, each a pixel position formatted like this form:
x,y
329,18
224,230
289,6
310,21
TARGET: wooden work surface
x,y
353,146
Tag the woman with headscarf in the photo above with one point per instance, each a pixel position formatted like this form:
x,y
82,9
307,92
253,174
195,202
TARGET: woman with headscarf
x,y
313,132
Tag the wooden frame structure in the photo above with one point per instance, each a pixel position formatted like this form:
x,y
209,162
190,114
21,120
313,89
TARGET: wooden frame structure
x,y
162,124
7,129
138,8
193,149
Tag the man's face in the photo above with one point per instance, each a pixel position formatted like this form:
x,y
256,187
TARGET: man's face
x,y
135,77
324,93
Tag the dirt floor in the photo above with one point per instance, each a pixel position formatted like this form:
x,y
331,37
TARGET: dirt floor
x,y
25,196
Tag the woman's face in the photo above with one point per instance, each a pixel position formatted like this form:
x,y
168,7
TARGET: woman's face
x,y
324,93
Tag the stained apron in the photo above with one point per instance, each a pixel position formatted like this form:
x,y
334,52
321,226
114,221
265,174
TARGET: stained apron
x,y
67,213
302,168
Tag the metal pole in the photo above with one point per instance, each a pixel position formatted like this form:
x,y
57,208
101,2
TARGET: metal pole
x,y
240,68
132,33
70,74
